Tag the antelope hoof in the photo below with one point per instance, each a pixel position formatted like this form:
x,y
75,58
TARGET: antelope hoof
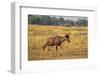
x,y
60,54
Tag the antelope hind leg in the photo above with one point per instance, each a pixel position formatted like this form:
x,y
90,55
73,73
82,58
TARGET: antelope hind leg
x,y
49,51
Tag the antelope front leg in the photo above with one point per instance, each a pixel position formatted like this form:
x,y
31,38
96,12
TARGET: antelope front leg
x,y
56,50
61,51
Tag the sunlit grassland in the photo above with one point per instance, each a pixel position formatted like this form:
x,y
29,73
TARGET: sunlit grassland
x,y
38,34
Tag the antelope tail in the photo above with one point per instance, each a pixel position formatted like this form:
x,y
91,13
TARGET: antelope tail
x,y
44,47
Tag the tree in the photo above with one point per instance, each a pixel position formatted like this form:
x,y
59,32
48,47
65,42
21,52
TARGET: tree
x,y
70,22
82,22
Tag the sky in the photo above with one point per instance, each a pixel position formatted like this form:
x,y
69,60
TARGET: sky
x,y
74,18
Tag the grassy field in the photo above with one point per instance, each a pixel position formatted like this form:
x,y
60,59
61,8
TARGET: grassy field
x,y
38,34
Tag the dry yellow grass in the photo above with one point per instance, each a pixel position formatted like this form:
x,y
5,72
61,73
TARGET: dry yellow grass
x,y
38,34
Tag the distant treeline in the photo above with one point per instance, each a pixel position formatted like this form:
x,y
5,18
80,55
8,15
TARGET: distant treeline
x,y
52,20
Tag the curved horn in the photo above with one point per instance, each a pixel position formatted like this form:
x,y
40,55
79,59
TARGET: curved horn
x,y
65,34
68,33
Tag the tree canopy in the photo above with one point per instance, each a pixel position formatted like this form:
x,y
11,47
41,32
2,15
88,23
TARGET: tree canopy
x,y
55,20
